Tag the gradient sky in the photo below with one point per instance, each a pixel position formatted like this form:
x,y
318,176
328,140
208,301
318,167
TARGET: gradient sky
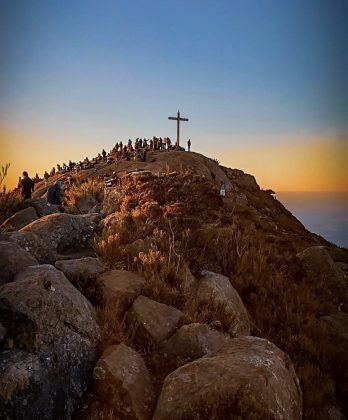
x,y
264,83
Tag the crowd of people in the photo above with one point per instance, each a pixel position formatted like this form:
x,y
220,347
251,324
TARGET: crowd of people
x,y
136,150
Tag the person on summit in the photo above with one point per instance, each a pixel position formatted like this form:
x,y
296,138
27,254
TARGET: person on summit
x,y
54,194
26,185
189,145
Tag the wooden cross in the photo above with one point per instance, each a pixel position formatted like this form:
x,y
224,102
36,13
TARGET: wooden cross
x,y
178,119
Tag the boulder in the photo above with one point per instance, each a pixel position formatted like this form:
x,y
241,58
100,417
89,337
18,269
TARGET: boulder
x,y
47,317
250,378
242,180
13,258
215,289
3,331
31,243
120,289
58,232
123,383
84,205
81,268
321,270
41,207
189,343
152,322
20,219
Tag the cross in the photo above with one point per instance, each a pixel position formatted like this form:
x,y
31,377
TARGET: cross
x,y
178,119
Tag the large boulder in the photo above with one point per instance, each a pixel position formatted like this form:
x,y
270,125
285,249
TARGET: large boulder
x,y
216,290
86,205
81,268
323,272
59,232
13,258
242,180
123,383
41,207
120,289
190,342
31,243
20,219
47,317
251,378
152,322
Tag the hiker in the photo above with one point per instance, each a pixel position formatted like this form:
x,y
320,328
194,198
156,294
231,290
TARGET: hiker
x,y
54,194
26,185
19,182
222,189
213,176
46,177
189,145
36,178
104,155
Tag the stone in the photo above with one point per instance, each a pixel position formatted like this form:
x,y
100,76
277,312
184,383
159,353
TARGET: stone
x,y
3,331
31,243
84,205
20,219
41,207
190,342
58,232
47,317
215,289
123,383
13,258
242,180
321,269
81,268
152,322
250,378
120,289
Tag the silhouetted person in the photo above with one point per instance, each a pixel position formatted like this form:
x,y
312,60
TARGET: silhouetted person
x,y
189,145
54,194
213,176
46,177
26,185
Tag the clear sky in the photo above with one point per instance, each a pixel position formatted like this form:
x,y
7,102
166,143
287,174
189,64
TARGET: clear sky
x,y
264,83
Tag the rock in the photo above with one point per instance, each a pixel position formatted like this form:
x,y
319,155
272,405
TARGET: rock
x,y
242,180
189,343
46,316
81,268
84,205
41,207
321,269
20,219
140,245
123,382
2,332
120,289
153,322
58,232
31,243
250,378
215,289
13,259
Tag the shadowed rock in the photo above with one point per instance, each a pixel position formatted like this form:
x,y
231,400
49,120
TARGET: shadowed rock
x,y
215,289
250,378
45,315
123,382
120,289
82,268
13,258
20,219
152,322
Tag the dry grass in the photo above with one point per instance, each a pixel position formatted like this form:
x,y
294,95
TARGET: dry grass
x,y
10,203
90,188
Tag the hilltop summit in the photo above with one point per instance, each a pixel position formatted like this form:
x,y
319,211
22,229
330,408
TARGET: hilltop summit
x,y
179,302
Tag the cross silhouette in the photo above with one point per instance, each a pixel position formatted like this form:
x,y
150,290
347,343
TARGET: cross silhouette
x,y
178,119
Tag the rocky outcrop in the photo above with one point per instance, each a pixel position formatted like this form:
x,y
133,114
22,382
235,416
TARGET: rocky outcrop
x,y
120,289
86,205
31,243
152,322
215,289
20,219
53,234
41,207
242,180
47,317
123,383
81,268
321,269
250,378
189,343
13,258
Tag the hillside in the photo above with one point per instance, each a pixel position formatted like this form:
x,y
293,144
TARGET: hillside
x,y
158,298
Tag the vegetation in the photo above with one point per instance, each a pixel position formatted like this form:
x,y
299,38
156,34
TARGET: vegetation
x,y
10,201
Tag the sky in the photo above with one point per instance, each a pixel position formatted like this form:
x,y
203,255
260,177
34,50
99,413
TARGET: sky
x,y
264,83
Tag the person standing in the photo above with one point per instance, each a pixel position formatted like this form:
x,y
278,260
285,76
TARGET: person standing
x,y
54,194
189,145
46,177
26,185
